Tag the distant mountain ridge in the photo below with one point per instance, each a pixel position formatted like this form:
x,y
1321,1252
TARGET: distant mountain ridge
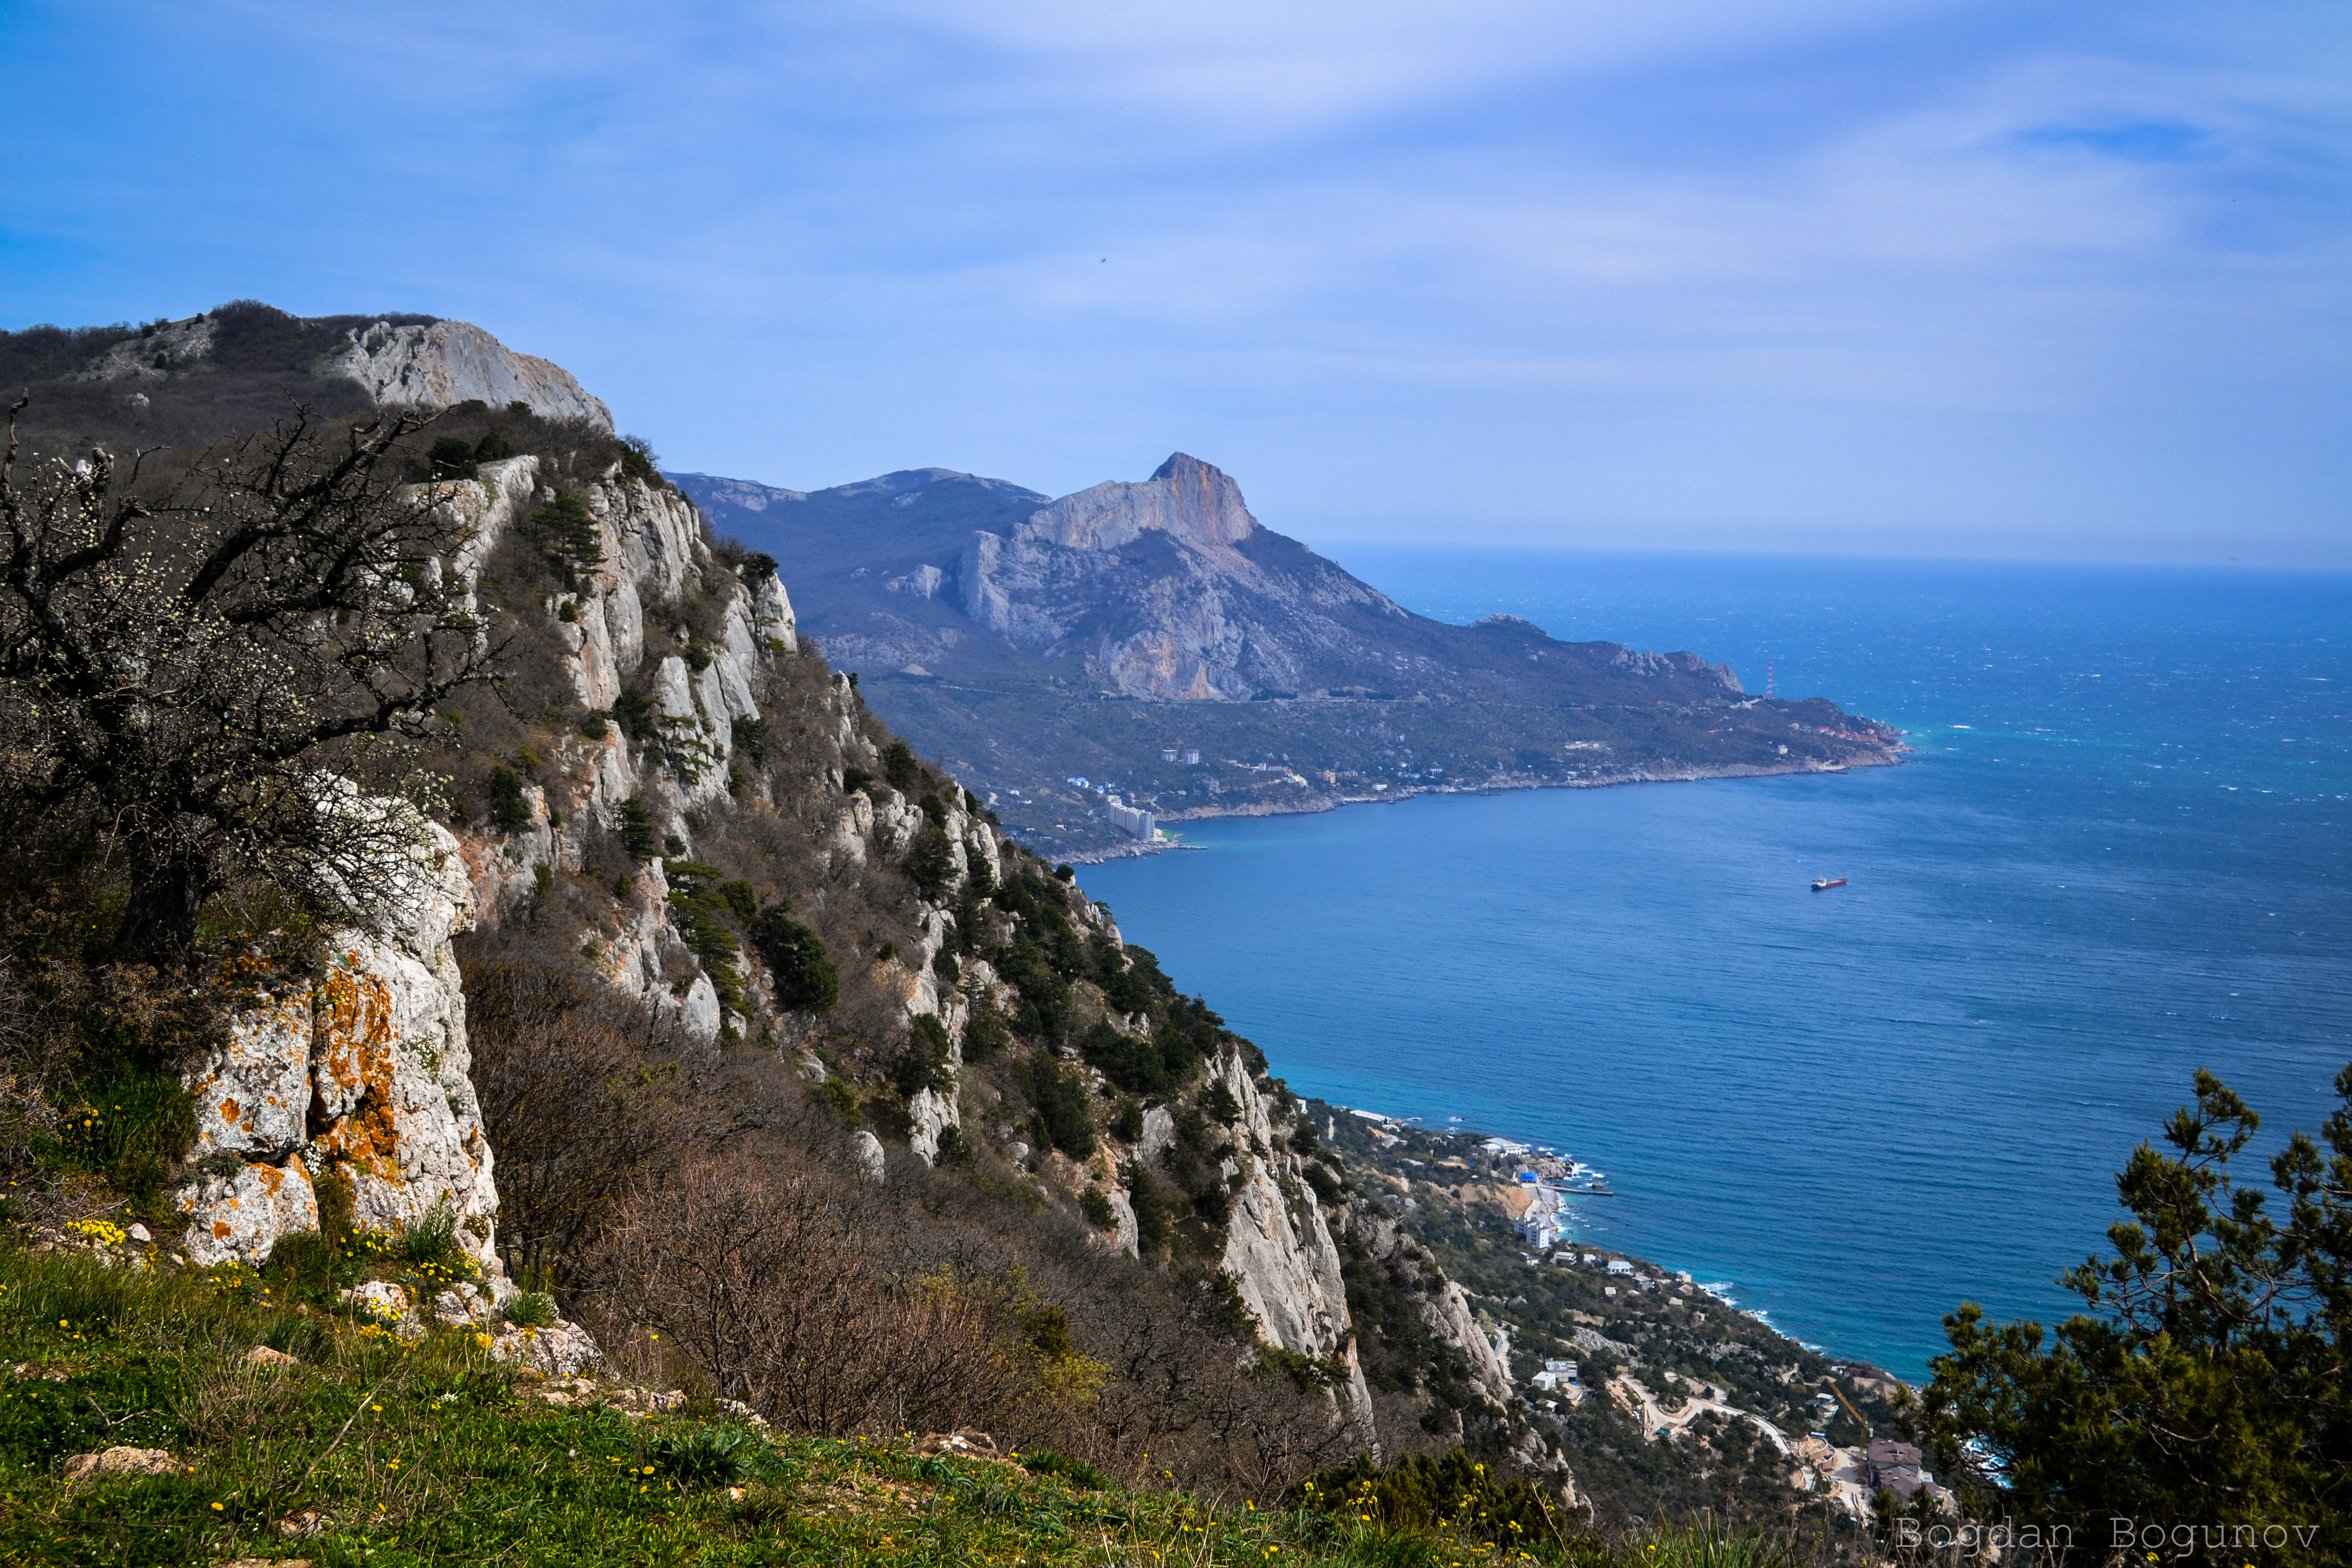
x,y
1035,641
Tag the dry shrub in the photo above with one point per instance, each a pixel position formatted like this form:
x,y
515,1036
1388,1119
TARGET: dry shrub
x,y
575,1081
758,1280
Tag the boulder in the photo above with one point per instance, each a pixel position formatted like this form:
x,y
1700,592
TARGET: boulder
x,y
565,1349
122,1462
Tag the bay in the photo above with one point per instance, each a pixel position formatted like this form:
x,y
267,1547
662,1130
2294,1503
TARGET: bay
x,y
2117,853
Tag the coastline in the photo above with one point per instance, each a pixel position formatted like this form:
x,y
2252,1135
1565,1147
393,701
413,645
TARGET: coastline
x,y
1383,1124
1314,803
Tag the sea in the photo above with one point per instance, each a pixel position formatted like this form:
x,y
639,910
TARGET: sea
x,y
2120,850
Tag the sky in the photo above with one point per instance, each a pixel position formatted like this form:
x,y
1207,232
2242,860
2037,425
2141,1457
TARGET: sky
x,y
1989,280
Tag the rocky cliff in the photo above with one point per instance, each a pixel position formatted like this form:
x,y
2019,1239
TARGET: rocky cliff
x,y
362,1069
1278,1249
397,361
449,362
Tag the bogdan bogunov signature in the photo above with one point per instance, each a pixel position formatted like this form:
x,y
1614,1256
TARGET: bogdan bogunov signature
x,y
2176,1541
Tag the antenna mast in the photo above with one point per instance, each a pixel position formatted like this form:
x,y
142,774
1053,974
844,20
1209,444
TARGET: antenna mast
x,y
1768,677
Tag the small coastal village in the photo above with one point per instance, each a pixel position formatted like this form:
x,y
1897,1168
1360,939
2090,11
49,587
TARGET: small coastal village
x,y
1631,1367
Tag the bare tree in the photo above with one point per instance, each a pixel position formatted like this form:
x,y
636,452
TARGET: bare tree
x,y
187,681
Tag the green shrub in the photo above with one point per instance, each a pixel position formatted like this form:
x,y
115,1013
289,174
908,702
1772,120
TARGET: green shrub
x,y
530,1309
1452,1495
699,901
510,811
571,537
452,457
639,461
637,830
854,779
931,864
1127,1125
1059,1099
985,1032
708,1456
923,1064
899,766
632,711
804,978
314,1264
1150,1208
1094,1203
430,1245
843,1100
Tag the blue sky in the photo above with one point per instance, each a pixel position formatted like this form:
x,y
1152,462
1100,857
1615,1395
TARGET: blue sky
x,y
1971,279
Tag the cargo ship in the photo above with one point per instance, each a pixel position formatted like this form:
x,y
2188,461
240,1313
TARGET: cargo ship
x,y
1823,884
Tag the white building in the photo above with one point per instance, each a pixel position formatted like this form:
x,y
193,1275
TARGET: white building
x,y
1556,1372
1133,819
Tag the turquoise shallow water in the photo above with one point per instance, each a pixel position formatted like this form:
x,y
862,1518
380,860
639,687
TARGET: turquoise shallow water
x,y
2119,853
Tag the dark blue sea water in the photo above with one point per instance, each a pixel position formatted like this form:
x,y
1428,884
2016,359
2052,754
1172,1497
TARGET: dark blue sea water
x,y
2122,851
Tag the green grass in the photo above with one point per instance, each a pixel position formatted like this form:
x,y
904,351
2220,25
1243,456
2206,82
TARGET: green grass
x,y
430,1453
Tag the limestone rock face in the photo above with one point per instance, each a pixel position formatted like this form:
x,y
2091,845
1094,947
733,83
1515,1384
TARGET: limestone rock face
x,y
1279,1247
1159,1134
652,546
362,1072
932,1114
1186,498
1127,1238
562,1350
1162,587
241,1217
450,361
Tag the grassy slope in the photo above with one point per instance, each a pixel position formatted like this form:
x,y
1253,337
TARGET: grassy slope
x,y
430,1452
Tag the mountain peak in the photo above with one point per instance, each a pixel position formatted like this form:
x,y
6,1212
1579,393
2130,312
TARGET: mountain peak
x,y
1192,500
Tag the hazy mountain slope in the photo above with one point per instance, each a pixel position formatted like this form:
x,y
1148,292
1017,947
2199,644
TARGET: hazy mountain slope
x,y
1028,642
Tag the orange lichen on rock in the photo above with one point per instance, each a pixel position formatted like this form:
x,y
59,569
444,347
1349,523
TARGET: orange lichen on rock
x,y
354,1048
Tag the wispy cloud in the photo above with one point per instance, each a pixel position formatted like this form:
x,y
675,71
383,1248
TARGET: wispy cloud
x,y
1508,268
